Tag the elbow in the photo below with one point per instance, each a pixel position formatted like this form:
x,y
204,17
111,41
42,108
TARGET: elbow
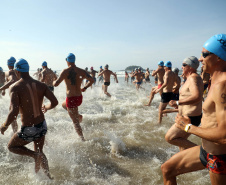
x,y
56,103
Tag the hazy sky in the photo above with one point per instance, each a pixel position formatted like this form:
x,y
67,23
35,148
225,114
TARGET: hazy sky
x,y
115,32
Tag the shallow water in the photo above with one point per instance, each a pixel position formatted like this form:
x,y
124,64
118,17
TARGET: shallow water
x,y
120,123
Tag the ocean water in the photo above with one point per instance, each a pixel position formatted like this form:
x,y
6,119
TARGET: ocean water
x,y
125,144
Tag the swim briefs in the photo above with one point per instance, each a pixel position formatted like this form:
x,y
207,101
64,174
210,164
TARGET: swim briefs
x,y
73,102
214,163
138,83
33,133
195,120
166,97
107,83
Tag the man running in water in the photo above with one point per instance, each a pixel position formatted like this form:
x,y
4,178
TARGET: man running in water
x,y
107,74
167,88
212,153
190,103
10,79
48,76
139,78
160,73
73,77
27,97
101,78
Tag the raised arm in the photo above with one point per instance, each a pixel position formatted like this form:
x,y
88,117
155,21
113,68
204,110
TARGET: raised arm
x,y
12,79
59,79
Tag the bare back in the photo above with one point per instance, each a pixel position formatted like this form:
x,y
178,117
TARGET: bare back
x,y
29,96
107,74
160,72
73,77
48,76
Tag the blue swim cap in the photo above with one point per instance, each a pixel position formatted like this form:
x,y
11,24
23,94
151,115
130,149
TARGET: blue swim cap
x,y
168,64
22,65
1,69
217,45
101,67
11,61
44,63
71,57
161,63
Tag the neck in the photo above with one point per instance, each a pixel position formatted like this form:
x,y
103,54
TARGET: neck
x,y
25,75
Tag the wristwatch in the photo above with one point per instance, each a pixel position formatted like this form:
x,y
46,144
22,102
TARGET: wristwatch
x,y
187,127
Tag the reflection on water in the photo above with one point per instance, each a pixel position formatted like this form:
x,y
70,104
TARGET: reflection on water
x,y
125,145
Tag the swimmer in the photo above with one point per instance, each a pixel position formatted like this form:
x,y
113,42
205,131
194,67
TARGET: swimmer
x,y
160,74
93,74
166,88
48,76
126,77
107,74
212,153
10,78
190,103
26,96
139,78
101,78
147,74
73,78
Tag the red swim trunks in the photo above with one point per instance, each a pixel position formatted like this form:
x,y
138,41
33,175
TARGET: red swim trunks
x,y
74,101
159,86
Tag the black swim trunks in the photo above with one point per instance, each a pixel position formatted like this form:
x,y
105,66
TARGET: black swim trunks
x,y
175,96
107,83
34,132
195,120
51,88
214,163
166,97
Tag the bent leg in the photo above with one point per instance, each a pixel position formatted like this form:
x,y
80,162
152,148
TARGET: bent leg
x,y
162,106
73,113
152,94
105,90
64,105
178,137
182,162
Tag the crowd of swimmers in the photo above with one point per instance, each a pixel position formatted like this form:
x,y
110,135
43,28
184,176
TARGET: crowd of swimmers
x,y
183,96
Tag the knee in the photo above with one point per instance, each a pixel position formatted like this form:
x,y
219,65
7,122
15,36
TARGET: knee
x,y
166,170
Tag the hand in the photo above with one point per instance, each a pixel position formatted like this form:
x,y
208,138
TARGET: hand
x,y
83,89
173,104
182,121
44,110
156,91
3,129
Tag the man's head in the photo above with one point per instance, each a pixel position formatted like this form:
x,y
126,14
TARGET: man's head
x,y
44,64
100,67
91,68
214,53
86,68
70,58
106,66
167,65
190,65
21,66
176,70
161,63
11,61
1,70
